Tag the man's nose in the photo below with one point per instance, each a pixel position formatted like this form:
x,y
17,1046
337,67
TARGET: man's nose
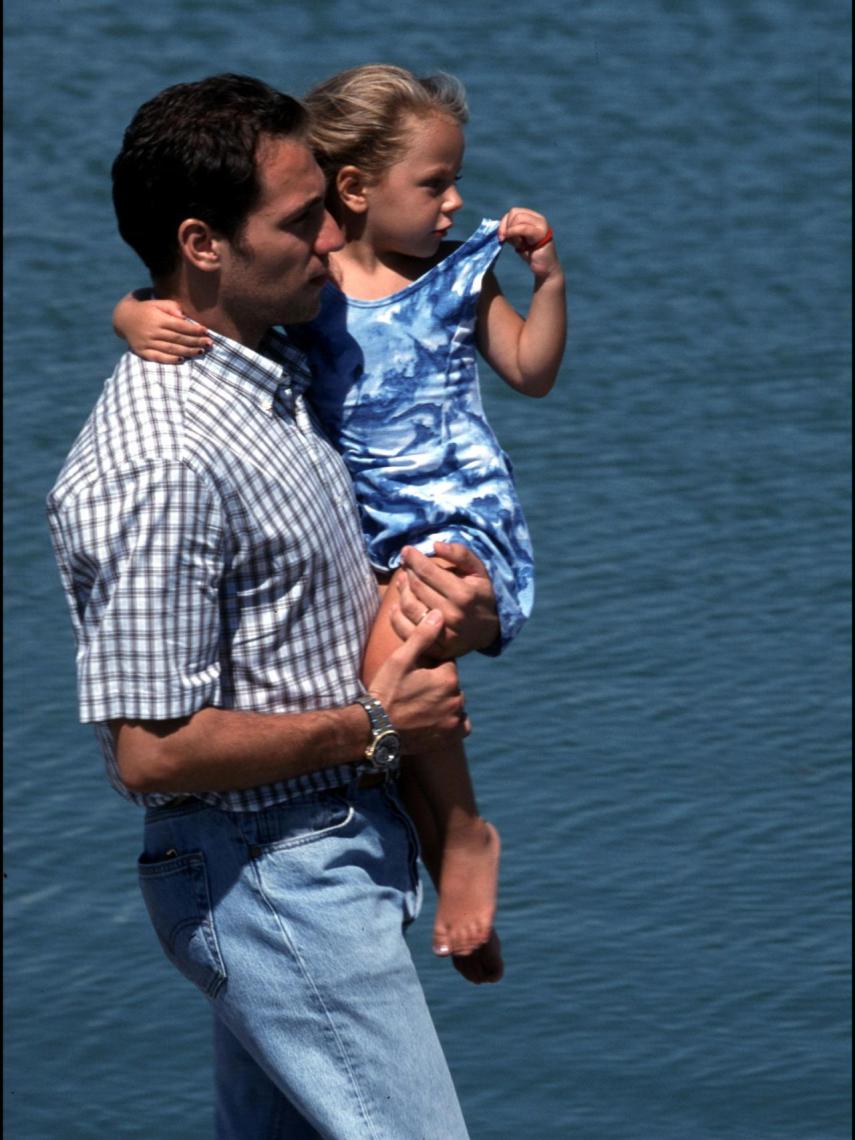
x,y
330,238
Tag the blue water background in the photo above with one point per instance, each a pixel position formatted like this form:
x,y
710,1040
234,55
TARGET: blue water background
x,y
666,748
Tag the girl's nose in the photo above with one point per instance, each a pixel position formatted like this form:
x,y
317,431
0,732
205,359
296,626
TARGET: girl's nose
x,y
453,200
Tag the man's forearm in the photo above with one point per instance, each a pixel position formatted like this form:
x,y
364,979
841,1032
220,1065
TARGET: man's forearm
x,y
229,749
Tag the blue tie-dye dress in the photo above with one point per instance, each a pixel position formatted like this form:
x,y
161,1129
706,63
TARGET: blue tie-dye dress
x,y
396,388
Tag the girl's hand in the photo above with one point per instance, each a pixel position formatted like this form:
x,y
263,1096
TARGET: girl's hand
x,y
158,330
525,230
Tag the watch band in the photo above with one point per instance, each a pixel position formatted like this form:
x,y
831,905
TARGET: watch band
x,y
384,750
377,715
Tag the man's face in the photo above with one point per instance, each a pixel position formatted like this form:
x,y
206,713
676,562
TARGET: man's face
x,y
276,266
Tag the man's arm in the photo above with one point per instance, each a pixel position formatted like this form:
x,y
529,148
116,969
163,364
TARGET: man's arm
x,y
222,749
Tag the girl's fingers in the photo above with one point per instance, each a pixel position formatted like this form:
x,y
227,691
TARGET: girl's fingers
x,y
183,332
171,307
525,225
176,341
168,348
162,357
530,240
528,226
520,214
191,341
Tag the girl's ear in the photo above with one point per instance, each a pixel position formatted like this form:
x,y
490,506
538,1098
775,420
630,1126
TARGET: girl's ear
x,y
199,245
350,186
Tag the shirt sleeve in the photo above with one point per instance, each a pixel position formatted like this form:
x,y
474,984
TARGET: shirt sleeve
x,y
145,570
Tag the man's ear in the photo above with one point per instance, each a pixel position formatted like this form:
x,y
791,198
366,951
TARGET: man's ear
x,y
350,185
199,245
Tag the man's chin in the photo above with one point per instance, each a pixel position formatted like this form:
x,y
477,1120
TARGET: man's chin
x,y
302,309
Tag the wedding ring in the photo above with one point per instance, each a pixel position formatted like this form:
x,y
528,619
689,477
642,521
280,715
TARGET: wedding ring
x,y
424,615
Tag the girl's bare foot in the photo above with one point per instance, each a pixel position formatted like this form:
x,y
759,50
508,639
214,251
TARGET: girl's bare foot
x,y
484,964
467,888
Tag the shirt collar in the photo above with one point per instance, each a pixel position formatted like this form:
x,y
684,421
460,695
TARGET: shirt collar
x,y
276,369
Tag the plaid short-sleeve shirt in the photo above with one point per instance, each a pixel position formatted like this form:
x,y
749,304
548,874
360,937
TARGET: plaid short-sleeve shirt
x,y
210,551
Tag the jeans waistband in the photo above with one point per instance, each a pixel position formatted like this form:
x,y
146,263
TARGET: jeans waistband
x,y
186,804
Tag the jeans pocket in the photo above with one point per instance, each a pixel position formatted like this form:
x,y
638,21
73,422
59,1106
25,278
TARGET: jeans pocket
x,y
178,901
298,825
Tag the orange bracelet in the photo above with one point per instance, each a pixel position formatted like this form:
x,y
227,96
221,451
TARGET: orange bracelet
x,y
545,240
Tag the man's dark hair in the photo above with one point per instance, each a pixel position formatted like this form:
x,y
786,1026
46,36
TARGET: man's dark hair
x,y
190,152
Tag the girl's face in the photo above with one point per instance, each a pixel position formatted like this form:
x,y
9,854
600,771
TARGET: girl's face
x,y
410,207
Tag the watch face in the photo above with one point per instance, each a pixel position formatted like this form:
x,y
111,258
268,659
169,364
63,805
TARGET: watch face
x,y
387,751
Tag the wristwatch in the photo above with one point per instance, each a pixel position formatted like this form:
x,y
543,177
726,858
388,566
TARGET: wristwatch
x,y
384,751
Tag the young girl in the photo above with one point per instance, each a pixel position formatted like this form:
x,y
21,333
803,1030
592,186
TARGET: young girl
x,y
395,385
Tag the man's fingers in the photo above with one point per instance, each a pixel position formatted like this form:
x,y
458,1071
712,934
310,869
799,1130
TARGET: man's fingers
x,y
416,597
457,585
431,572
400,623
463,558
428,569
430,583
423,635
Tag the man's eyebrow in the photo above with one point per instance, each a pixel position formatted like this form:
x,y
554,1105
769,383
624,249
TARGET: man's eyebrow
x,y
304,207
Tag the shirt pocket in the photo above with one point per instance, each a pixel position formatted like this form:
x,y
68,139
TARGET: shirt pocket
x,y
178,900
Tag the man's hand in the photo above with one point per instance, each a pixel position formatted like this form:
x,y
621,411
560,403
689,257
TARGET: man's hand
x,y
457,584
424,702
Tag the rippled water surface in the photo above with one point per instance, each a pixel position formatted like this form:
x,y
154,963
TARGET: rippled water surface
x,y
666,747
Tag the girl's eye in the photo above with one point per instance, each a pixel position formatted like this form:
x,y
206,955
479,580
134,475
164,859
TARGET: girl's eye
x,y
440,185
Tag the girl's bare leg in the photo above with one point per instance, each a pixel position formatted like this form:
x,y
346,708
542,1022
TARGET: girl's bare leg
x,y
469,846
460,850
485,963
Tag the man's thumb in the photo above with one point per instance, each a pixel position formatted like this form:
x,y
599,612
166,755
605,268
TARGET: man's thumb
x,y
425,633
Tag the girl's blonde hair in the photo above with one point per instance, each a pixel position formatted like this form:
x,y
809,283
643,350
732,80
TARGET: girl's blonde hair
x,y
360,116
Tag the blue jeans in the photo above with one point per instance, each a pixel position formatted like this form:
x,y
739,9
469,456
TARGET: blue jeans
x,y
291,921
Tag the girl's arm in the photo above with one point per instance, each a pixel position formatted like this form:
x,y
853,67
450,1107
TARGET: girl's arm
x,y
158,330
526,353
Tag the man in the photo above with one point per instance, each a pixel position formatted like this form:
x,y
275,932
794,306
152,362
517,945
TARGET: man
x,y
208,542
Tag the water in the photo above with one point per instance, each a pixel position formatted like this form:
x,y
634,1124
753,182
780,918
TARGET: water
x,y
666,747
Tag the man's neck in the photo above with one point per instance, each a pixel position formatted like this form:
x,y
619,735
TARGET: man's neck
x,y
201,303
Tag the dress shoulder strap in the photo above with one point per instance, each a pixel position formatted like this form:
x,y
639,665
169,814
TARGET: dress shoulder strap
x,y
464,268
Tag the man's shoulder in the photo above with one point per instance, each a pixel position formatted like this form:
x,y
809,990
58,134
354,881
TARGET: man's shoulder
x,y
138,421
142,410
